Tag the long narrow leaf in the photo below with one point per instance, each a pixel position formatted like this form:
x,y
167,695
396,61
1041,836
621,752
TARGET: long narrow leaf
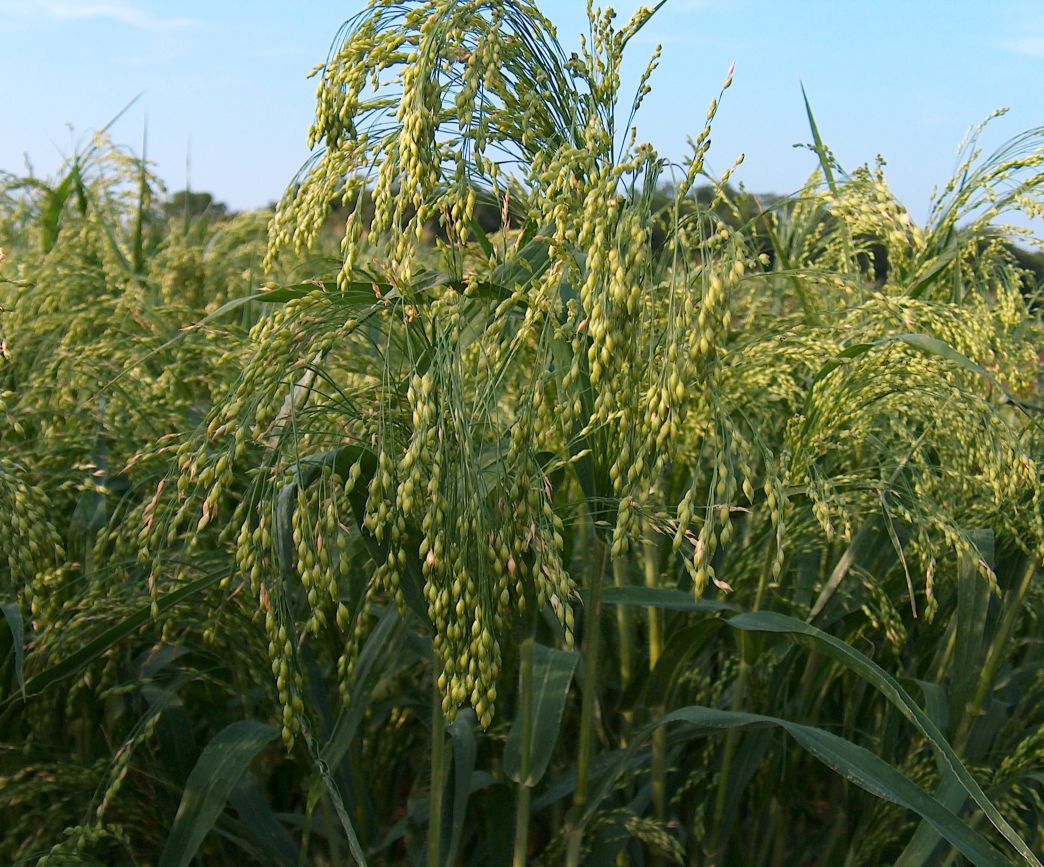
x,y
973,600
465,750
216,773
13,616
661,597
76,661
552,673
851,761
771,622
249,802
821,151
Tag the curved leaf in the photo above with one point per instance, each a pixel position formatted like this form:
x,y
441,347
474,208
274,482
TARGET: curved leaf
x,y
216,773
74,662
465,749
851,761
13,616
249,802
661,597
772,622
552,673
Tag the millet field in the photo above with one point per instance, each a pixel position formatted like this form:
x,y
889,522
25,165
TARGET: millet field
x,y
513,495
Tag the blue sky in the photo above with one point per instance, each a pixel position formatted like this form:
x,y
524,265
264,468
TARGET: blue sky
x,y
225,81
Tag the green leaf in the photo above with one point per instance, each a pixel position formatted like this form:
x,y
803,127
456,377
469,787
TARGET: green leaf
x,y
13,616
936,702
867,539
216,773
661,597
282,531
552,673
937,266
922,846
851,761
356,292
465,749
138,231
77,660
681,647
530,262
821,151
327,781
969,667
973,600
268,832
771,622
382,644
934,346
481,237
50,217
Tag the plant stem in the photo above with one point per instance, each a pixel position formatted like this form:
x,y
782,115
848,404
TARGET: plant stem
x,y
624,628
950,792
332,830
746,649
592,619
438,749
658,768
525,690
1000,645
623,622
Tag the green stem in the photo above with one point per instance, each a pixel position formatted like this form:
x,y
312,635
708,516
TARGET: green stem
x,y
623,623
592,618
950,792
332,829
625,628
525,690
650,558
306,838
438,751
731,743
1000,645
739,694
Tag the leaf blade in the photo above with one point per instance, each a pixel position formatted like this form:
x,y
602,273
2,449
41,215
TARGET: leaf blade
x,y
216,773
552,673
770,621
13,616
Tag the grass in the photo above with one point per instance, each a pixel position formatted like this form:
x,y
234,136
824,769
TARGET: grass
x,y
557,514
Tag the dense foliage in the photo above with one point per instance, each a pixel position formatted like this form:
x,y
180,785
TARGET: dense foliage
x,y
557,506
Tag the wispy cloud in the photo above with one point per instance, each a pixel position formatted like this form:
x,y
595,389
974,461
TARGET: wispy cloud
x,y
1033,46
122,13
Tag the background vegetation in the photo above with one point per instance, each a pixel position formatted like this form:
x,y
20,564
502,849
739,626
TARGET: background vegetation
x,y
511,495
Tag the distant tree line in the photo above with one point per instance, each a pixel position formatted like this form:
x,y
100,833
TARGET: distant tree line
x,y
734,208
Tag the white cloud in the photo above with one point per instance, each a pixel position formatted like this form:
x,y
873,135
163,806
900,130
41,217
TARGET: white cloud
x,y
1029,45
120,12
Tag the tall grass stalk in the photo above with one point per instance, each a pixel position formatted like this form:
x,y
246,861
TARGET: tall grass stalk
x,y
654,624
325,511
591,648
523,795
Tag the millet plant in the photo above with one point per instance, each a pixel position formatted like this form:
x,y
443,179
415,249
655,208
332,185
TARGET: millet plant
x,y
795,454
